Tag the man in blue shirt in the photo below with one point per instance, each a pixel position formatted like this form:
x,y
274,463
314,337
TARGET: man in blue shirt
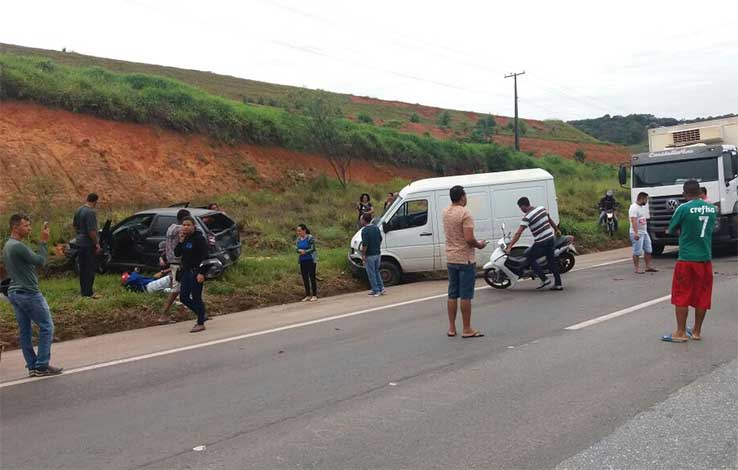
x,y
371,242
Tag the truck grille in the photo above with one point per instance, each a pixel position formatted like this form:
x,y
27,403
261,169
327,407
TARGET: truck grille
x,y
661,209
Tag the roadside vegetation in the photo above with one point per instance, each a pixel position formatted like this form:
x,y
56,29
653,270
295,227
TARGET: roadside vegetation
x,y
267,273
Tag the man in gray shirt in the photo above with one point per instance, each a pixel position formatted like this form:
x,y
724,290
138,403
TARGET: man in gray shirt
x,y
85,224
28,303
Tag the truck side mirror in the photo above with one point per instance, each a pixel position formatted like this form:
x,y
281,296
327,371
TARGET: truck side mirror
x,y
622,175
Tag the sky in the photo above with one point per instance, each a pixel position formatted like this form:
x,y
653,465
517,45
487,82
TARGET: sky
x,y
582,59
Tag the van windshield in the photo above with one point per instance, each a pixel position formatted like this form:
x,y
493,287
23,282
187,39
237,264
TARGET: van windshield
x,y
398,200
670,173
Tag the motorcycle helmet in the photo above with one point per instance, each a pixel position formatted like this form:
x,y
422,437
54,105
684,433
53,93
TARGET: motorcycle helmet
x,y
609,193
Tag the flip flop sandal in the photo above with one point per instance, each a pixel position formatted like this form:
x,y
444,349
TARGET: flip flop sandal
x,y
691,336
652,270
477,334
451,335
670,339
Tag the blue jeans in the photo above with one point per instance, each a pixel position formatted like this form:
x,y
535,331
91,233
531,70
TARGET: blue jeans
x,y
461,279
544,249
372,272
33,308
190,294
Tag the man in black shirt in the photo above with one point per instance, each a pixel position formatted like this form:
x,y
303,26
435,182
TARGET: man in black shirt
x,y
85,224
193,250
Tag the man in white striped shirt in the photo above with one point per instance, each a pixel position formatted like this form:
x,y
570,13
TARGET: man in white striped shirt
x,y
544,230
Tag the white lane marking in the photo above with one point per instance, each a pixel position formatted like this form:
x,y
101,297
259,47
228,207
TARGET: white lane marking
x,y
612,315
603,264
244,336
228,340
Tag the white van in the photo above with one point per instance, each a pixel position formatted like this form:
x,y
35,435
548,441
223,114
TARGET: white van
x,y
413,225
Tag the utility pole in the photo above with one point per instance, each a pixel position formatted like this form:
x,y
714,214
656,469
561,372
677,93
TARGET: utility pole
x,y
515,78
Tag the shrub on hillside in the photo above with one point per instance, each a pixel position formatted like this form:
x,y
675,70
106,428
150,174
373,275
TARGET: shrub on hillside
x,y
444,119
414,117
365,118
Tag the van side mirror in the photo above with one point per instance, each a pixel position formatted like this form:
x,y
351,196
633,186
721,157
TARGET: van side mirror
x,y
622,175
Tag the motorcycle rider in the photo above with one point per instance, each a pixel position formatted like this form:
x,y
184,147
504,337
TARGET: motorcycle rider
x,y
544,230
607,203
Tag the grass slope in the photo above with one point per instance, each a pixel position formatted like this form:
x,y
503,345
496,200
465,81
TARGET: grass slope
x,y
279,96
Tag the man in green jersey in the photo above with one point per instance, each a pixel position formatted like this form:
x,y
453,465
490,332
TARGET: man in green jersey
x,y
692,282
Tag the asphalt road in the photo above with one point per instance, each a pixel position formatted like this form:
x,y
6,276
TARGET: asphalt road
x,y
387,389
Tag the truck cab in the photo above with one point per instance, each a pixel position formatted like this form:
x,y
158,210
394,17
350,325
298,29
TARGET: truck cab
x,y
661,174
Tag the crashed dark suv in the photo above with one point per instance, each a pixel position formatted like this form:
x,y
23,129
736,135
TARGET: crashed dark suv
x,y
135,241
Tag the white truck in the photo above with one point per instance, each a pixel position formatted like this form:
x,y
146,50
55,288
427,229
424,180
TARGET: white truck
x,y
413,236
704,151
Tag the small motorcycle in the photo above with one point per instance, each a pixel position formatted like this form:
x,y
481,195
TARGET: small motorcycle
x,y
503,270
610,222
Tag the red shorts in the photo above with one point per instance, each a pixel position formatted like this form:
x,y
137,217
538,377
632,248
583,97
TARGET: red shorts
x,y
692,284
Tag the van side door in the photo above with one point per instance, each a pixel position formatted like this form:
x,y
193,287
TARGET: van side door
x,y
408,234
505,206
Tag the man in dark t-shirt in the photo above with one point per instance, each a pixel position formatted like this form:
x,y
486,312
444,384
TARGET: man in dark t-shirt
x,y
371,250
85,224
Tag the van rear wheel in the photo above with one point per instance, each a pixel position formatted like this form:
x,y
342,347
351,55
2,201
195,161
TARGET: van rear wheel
x,y
390,272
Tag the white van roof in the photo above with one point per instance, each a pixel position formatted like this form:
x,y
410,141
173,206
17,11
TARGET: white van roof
x,y
479,179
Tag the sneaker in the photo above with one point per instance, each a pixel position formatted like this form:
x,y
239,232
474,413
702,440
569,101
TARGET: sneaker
x,y
197,328
48,370
370,294
384,292
378,294
313,299
544,283
305,299
557,288
32,372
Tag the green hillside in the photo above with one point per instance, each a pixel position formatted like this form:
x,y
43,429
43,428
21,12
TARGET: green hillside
x,y
630,130
404,116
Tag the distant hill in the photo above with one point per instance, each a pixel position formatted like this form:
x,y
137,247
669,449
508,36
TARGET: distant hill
x,y
631,130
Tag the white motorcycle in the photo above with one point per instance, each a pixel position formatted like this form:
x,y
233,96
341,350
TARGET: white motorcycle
x,y
503,270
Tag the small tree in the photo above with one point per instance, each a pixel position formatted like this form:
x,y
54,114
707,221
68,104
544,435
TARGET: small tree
x,y
579,156
483,130
323,126
444,119
414,117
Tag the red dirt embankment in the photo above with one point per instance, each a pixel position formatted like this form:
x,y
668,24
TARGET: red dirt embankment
x,y
603,153
123,162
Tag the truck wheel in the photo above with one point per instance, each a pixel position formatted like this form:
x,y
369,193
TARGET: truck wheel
x,y
390,272
658,249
